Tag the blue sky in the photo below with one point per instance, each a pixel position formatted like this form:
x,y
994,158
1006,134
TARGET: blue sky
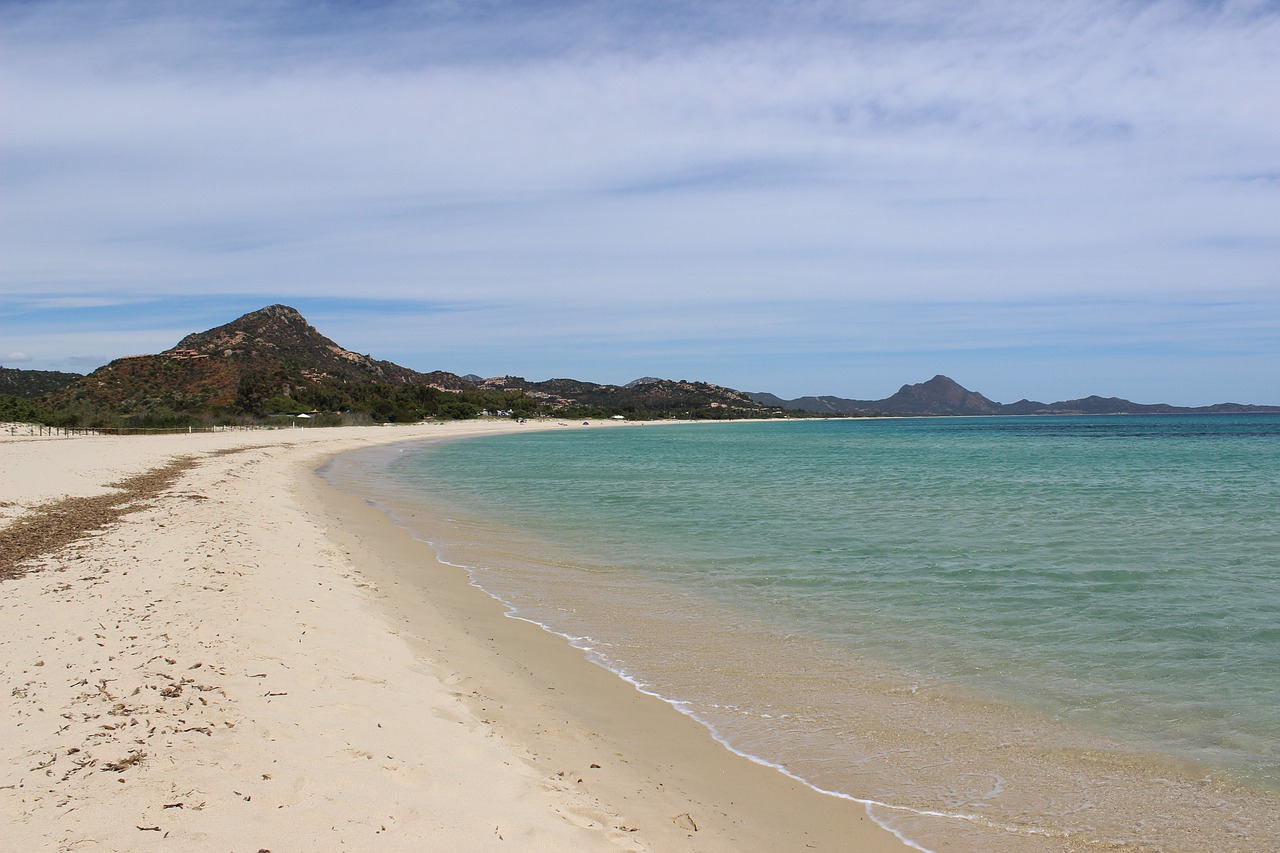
x,y
1039,200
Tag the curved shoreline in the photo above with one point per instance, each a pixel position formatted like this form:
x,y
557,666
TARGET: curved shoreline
x,y
258,661
546,598
667,763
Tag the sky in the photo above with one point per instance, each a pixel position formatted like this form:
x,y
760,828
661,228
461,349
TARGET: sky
x,y
1037,199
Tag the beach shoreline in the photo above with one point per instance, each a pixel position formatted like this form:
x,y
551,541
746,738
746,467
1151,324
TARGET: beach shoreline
x,y
251,659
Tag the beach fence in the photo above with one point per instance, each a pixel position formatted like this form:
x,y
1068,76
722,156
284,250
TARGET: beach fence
x,y
57,431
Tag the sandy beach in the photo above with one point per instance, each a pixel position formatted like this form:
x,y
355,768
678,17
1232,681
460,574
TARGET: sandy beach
x,y
206,647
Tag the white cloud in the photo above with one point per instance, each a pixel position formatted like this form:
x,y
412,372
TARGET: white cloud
x,y
633,157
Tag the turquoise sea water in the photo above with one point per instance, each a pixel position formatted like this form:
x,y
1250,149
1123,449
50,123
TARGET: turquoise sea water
x,y
1011,633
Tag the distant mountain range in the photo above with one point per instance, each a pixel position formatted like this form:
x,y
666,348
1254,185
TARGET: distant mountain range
x,y
944,396
272,361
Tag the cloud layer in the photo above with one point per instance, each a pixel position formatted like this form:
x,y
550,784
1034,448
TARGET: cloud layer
x,y
804,197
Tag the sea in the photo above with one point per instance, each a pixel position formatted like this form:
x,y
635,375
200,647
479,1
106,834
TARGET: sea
x,y
998,633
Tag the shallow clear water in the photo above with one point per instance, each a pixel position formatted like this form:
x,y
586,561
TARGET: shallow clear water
x,y
1034,628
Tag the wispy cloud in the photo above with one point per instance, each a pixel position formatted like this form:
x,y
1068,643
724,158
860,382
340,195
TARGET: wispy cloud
x,y
633,166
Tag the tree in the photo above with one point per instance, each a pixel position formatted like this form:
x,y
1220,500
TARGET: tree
x,y
457,410
21,410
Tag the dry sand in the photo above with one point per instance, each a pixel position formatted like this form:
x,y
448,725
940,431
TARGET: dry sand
x,y
230,655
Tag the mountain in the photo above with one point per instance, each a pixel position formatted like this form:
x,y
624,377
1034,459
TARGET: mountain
x,y
34,383
944,396
272,361
279,338
647,397
240,367
1095,405
939,396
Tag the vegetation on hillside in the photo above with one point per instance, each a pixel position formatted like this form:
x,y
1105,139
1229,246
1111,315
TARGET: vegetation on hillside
x,y
263,398
271,365
21,410
33,383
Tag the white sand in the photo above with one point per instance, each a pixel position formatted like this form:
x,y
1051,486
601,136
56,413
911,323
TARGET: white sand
x,y
227,669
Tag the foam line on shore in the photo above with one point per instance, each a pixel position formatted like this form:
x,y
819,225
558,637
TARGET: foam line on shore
x,y
580,648
586,646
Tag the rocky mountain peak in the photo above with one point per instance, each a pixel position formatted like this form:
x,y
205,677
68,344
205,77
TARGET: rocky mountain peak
x,y
940,395
273,327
